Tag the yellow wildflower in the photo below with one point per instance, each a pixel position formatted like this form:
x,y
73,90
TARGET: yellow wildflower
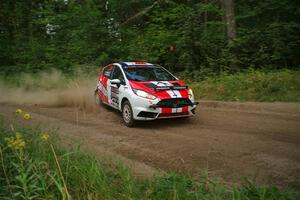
x,y
26,116
45,137
18,111
16,143
18,135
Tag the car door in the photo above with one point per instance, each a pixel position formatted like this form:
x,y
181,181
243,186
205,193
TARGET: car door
x,y
115,91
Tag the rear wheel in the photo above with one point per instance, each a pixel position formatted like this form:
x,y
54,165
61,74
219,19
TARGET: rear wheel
x,y
98,100
127,114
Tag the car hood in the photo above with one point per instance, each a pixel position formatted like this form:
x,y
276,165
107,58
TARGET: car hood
x,y
162,89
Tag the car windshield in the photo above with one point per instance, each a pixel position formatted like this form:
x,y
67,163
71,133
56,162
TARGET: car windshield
x,y
146,73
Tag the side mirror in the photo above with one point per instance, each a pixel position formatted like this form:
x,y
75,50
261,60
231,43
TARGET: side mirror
x,y
115,81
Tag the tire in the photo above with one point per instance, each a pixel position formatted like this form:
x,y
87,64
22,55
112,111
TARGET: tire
x,y
98,100
127,114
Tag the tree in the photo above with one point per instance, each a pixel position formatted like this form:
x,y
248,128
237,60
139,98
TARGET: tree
x,y
230,19
42,34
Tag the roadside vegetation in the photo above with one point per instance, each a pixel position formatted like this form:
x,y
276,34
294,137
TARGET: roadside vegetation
x,y
252,85
35,165
262,86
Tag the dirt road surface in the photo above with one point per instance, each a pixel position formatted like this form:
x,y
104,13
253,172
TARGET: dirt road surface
x,y
227,140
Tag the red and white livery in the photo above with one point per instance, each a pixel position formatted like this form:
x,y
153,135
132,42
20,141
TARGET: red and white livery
x,y
144,91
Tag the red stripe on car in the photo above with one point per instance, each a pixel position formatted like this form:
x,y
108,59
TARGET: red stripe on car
x,y
184,93
166,110
185,109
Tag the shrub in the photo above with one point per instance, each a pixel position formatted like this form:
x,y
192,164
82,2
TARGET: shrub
x,y
283,85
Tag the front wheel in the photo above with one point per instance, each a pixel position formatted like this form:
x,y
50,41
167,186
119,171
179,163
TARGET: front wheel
x,y
127,114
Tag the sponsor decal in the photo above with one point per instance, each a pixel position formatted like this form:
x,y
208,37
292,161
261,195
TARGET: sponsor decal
x,y
114,90
114,96
174,93
161,83
165,85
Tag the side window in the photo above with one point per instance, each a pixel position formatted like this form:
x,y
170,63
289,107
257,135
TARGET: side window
x,y
107,72
117,74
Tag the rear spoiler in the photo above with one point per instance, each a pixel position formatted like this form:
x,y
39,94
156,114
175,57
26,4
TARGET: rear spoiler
x,y
170,88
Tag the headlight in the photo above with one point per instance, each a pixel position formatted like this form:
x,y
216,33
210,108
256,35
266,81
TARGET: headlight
x,y
190,92
144,94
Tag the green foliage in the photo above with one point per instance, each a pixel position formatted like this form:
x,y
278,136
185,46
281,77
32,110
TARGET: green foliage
x,y
283,85
43,169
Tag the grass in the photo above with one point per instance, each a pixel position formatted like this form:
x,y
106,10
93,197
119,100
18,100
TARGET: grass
x,y
283,85
34,165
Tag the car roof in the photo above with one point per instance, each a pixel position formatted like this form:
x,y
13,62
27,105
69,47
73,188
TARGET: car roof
x,y
138,63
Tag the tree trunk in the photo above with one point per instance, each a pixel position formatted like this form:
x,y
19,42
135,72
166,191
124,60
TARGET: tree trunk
x,y
230,19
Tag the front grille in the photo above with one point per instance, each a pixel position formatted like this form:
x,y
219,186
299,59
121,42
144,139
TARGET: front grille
x,y
173,114
174,103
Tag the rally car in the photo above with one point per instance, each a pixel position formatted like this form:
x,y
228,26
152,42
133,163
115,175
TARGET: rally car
x,y
144,91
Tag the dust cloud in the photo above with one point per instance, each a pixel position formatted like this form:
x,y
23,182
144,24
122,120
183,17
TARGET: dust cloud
x,y
52,89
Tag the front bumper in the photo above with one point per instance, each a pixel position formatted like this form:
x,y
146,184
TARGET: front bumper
x,y
144,109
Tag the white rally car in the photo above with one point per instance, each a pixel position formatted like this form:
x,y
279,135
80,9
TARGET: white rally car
x,y
144,91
